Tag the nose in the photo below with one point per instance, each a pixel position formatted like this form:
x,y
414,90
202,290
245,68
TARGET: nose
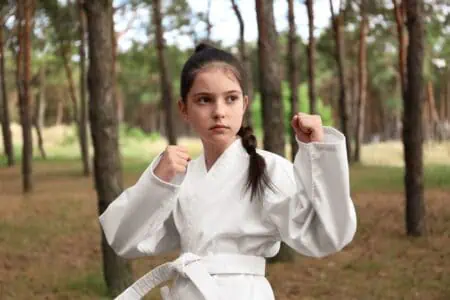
x,y
219,110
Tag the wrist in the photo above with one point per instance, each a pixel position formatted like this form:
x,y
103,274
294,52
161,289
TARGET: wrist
x,y
162,174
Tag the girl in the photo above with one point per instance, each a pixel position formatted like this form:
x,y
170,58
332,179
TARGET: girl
x,y
231,207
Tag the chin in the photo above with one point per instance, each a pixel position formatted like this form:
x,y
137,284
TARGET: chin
x,y
220,139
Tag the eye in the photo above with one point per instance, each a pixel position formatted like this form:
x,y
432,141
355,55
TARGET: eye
x,y
203,100
232,98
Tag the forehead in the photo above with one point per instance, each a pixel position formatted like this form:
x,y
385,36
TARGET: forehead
x,y
215,80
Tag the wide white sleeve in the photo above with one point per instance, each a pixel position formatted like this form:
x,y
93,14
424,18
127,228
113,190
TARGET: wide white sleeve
x,y
140,221
315,216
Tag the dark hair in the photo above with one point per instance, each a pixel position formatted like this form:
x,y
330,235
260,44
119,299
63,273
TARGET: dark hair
x,y
206,55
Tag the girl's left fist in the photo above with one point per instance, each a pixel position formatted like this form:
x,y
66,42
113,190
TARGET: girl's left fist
x,y
308,128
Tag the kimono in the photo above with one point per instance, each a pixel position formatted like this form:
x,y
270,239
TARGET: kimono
x,y
222,235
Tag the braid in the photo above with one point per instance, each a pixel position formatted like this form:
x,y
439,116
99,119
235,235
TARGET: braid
x,y
257,179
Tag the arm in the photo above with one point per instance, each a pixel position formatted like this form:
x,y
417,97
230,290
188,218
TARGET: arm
x,y
315,215
139,222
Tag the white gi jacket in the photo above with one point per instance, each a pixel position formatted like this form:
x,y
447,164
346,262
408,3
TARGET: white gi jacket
x,y
206,214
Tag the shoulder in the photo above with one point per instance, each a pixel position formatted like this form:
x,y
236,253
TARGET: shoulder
x,y
274,160
279,169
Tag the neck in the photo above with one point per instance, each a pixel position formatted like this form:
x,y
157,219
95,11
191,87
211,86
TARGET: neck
x,y
214,151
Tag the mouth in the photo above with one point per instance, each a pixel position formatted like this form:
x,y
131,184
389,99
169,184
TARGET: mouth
x,y
219,127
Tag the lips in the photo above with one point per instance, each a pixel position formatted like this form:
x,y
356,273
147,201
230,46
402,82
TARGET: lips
x,y
219,126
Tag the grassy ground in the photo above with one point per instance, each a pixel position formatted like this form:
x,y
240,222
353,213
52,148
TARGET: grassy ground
x,y
49,240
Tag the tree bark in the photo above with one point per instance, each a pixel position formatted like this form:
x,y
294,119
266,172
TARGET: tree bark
x,y
24,10
104,131
270,87
292,64
6,130
433,114
412,121
39,110
167,96
245,62
83,107
76,115
311,58
338,26
399,11
362,74
59,112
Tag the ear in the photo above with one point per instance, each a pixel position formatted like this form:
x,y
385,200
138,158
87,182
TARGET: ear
x,y
182,107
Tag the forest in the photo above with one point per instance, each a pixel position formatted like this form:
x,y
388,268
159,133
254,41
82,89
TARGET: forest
x,y
88,97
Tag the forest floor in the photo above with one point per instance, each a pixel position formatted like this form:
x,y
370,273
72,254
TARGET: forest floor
x,y
49,239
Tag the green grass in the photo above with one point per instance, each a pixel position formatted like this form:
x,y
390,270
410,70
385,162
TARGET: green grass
x,y
386,178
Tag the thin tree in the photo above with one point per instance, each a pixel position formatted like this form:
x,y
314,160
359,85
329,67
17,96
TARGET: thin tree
x,y
311,57
24,14
167,97
338,28
412,120
104,131
4,105
362,75
83,104
293,66
270,87
245,61
39,109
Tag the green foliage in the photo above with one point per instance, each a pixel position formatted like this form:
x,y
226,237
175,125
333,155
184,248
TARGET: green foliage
x,y
323,110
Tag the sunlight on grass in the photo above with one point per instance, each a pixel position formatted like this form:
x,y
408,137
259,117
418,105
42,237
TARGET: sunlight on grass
x,y
60,143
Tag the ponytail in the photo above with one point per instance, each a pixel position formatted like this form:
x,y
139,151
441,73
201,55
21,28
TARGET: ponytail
x,y
257,179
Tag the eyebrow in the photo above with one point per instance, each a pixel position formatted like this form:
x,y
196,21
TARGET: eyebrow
x,y
209,94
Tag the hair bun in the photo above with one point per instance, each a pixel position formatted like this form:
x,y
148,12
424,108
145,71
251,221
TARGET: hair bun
x,y
203,46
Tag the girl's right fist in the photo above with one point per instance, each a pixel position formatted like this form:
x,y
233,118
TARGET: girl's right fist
x,y
174,161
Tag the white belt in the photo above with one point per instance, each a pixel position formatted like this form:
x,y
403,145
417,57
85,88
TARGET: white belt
x,y
199,270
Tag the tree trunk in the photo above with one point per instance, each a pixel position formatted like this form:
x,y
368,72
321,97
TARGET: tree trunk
x,y
167,97
270,86
83,107
412,118
76,115
6,130
245,62
338,26
447,95
24,9
115,36
39,110
442,98
311,58
362,74
433,123
399,11
59,112
38,127
104,131
292,64
40,113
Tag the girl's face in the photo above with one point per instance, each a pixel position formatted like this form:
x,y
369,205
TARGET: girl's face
x,y
215,106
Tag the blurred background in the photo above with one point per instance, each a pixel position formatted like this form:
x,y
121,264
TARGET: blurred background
x,y
89,92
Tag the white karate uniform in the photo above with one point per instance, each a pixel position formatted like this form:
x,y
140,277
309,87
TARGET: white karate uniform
x,y
208,215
